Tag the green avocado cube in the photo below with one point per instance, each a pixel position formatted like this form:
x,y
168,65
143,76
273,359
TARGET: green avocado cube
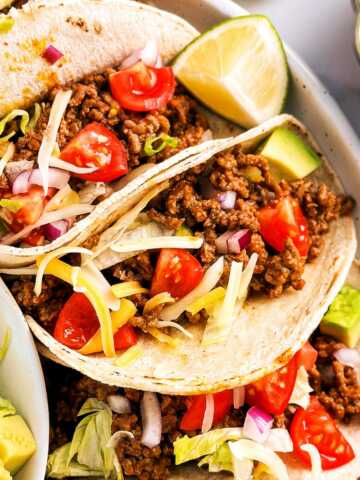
x,y
16,443
290,158
342,320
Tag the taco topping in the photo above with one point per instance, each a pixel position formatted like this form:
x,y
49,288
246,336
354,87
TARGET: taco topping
x,y
164,431
98,130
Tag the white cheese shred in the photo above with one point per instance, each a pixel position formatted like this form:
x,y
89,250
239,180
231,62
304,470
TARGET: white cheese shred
x,y
61,101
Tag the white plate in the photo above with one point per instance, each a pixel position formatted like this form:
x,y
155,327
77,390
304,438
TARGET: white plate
x,y
22,382
309,100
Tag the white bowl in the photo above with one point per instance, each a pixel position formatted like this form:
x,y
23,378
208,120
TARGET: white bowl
x,y
22,382
309,100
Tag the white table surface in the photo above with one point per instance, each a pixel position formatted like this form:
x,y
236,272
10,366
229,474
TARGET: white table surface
x,y
322,32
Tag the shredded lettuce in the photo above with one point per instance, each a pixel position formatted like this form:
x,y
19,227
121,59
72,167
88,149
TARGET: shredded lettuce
x,y
218,461
12,205
163,141
224,312
88,453
26,123
244,449
187,449
6,408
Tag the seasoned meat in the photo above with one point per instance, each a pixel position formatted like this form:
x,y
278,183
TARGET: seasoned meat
x,y
337,386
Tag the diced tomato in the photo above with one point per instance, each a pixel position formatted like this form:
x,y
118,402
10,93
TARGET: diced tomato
x,y
33,202
35,238
284,220
125,337
307,356
272,393
315,426
77,322
193,418
177,272
141,88
97,146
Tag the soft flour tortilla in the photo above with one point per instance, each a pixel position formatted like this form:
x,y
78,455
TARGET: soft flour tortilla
x,y
264,337
92,34
296,470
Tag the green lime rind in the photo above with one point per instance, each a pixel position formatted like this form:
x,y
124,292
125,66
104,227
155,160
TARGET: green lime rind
x,y
279,42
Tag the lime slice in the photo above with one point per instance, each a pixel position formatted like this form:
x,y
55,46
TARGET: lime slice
x,y
238,69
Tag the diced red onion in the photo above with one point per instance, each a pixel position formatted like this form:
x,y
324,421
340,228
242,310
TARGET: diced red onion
x,y
238,241
149,55
348,356
52,54
221,242
257,425
54,230
208,414
57,178
238,397
227,199
21,183
151,420
233,242
119,404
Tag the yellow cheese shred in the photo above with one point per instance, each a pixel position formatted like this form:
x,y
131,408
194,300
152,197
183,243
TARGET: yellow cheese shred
x,y
126,289
119,319
64,271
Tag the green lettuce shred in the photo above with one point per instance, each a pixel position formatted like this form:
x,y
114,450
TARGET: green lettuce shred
x,y
87,455
187,449
165,141
219,461
6,23
26,123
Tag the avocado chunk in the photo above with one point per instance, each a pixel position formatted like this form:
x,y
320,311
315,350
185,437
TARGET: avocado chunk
x,y
4,474
342,320
290,158
16,443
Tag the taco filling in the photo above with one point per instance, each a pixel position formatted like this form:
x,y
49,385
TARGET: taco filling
x,y
67,153
295,412
190,252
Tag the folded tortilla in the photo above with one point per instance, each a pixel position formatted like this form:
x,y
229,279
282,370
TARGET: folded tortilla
x,y
93,35
265,335
296,470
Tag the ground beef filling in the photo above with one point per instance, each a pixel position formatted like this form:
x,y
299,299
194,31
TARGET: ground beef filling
x,y
337,386
234,170
68,390
92,101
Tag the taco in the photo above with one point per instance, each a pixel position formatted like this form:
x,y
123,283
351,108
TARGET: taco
x,y
171,276
308,422
73,148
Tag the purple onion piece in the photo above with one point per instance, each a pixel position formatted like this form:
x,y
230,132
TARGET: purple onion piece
x,y
54,230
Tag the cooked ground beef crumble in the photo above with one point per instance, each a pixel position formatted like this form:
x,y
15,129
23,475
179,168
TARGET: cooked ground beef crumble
x,y
336,387
182,203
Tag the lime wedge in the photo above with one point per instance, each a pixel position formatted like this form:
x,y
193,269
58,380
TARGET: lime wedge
x,y
238,69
